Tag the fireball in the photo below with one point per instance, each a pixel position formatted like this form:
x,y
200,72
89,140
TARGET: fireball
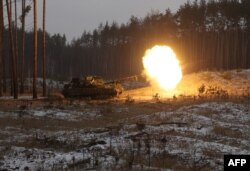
x,y
162,67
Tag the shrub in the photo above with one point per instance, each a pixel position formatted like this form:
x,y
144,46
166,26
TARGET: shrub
x,y
216,91
129,99
201,89
207,76
226,75
156,97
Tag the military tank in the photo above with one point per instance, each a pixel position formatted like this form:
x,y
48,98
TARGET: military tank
x,y
91,87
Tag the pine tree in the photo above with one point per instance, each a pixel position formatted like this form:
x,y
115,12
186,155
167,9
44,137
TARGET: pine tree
x,y
35,52
1,46
44,49
23,46
16,39
13,58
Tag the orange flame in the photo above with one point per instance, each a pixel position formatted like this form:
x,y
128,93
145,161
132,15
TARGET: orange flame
x,y
162,67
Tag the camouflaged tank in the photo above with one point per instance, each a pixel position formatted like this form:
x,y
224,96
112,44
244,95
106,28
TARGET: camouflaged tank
x,y
91,87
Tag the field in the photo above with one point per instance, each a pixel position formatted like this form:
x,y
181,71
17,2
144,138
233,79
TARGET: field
x,y
143,129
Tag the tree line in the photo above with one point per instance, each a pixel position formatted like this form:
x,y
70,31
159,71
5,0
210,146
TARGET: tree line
x,y
206,35
12,44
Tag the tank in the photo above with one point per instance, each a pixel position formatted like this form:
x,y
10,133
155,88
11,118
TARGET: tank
x,y
92,87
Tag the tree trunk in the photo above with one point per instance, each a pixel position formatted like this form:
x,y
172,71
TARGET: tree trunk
x,y
16,37
3,58
44,49
13,58
35,52
10,68
23,46
1,47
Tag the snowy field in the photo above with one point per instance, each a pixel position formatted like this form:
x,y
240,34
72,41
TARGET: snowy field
x,y
130,134
124,136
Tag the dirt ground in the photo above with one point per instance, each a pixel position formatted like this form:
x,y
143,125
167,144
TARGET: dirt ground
x,y
175,134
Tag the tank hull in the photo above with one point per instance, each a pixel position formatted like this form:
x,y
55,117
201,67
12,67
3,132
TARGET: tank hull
x,y
91,87
90,92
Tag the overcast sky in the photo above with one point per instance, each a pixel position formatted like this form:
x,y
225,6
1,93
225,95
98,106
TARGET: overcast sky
x,y
72,17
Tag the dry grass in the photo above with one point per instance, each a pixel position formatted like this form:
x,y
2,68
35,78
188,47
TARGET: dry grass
x,y
207,76
113,117
226,75
243,76
212,153
165,161
47,142
227,132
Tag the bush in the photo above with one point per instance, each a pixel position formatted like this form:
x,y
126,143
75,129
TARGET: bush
x,y
129,99
201,89
215,91
156,97
207,76
226,75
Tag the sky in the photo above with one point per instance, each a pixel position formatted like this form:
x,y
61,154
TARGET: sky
x,y
72,17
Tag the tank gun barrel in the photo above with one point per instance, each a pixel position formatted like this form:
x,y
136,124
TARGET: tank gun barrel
x,y
121,80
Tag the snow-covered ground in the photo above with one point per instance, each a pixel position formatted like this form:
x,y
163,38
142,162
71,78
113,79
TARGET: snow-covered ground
x,y
124,136
188,132
234,82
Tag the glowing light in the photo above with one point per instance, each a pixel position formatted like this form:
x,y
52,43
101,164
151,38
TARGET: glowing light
x,y
162,67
